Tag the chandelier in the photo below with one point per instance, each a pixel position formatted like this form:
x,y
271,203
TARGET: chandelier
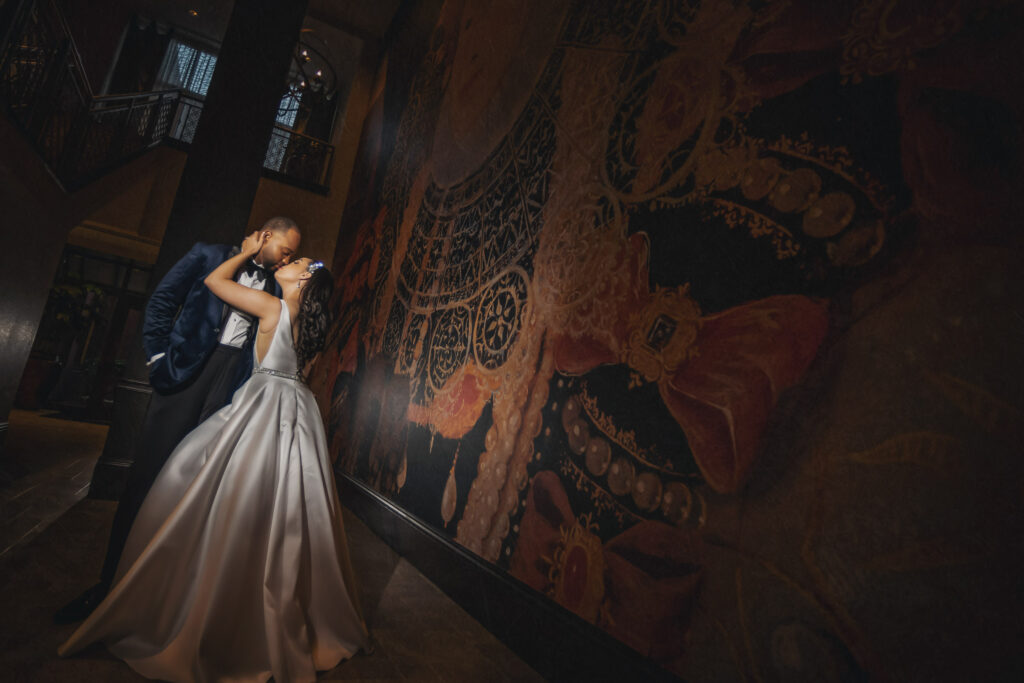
x,y
311,78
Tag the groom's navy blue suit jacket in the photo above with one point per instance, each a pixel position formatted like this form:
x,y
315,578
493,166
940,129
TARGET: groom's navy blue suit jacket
x,y
183,320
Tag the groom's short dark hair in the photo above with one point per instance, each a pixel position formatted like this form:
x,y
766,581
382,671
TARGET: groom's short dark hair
x,y
281,224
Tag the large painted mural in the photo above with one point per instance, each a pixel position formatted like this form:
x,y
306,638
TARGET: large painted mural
x,y
698,318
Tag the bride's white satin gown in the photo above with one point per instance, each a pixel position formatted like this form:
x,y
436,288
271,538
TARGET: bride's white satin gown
x,y
237,567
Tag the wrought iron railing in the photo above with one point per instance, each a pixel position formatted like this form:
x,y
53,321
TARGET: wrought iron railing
x,y
115,129
41,78
79,136
299,157
43,85
291,155
186,118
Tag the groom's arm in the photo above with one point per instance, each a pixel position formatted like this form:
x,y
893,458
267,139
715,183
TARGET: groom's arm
x,y
167,299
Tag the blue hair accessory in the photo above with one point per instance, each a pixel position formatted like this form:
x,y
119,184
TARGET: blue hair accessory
x,y
314,266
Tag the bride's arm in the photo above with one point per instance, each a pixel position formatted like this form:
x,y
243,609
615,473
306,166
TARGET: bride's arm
x,y
253,301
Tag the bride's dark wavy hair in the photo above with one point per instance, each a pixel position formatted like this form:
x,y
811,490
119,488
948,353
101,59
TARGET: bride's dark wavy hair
x,y
314,315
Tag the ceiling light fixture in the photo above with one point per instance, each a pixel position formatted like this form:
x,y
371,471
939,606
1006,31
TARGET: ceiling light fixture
x,y
312,78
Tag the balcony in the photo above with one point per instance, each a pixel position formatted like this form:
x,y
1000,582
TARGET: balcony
x,y
291,157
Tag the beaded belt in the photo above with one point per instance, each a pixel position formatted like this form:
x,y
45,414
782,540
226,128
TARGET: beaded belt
x,y
277,373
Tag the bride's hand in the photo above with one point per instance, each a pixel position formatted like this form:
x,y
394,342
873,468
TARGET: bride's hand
x,y
252,244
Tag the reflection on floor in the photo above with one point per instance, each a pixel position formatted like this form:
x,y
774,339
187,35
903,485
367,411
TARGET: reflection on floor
x,y
45,469
53,541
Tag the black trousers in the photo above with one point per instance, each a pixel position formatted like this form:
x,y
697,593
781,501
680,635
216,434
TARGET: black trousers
x,y
169,419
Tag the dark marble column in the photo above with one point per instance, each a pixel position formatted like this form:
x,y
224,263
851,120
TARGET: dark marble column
x,y
218,183
35,219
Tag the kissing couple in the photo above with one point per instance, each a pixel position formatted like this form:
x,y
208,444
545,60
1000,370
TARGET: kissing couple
x,y
227,558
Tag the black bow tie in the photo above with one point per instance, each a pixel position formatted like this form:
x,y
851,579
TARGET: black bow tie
x,y
250,267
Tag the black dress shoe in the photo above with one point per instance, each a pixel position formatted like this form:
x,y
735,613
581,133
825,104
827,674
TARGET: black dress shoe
x,y
82,606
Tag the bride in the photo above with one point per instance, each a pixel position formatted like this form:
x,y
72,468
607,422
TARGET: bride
x,y
237,566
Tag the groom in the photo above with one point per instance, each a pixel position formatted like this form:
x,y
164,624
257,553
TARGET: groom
x,y
199,352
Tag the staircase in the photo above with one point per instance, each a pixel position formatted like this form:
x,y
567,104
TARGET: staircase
x,y
42,83
81,136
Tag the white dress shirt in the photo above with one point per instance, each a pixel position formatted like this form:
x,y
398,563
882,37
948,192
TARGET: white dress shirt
x,y
236,328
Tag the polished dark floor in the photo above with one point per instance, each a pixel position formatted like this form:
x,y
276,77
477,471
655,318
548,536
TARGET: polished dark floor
x,y
51,544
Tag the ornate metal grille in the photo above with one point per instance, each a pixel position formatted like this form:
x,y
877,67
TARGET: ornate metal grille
x,y
291,156
299,157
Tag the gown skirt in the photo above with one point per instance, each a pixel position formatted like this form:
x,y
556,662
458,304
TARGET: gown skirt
x,y
237,566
